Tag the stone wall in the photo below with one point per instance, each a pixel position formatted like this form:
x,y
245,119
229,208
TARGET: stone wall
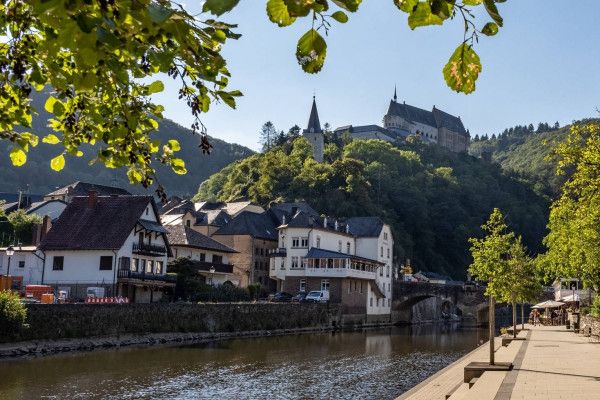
x,y
592,322
64,321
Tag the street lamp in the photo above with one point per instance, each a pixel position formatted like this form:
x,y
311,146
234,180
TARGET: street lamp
x,y
212,271
9,252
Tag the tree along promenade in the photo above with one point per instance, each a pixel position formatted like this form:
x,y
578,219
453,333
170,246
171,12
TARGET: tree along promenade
x,y
552,363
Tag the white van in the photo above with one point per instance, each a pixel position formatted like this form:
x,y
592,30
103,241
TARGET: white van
x,y
317,296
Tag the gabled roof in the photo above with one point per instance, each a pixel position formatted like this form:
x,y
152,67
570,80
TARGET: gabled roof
x,y
103,226
450,122
9,207
290,209
83,188
365,226
248,223
314,125
39,204
412,114
180,235
212,217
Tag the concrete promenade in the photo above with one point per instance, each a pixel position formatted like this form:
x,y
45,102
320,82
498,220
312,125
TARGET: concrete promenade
x,y
552,363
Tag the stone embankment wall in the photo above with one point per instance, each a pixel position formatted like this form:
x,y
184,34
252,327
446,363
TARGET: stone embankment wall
x,y
67,321
592,322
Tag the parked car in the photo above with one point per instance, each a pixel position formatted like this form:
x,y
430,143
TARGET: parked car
x,y
300,297
317,296
282,297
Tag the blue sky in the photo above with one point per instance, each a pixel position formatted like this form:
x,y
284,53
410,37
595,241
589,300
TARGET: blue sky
x,y
544,65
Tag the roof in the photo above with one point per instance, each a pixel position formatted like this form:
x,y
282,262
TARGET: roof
x,y
212,217
180,235
83,188
450,122
233,208
152,226
289,210
39,204
314,125
103,226
9,207
180,207
248,223
365,226
411,113
314,252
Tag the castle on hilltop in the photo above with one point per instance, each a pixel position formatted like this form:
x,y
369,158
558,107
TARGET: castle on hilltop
x,y
400,121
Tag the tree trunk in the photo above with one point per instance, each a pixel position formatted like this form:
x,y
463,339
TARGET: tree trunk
x,y
514,318
492,325
522,316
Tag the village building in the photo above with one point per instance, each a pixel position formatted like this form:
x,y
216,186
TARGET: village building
x,y
78,189
211,258
113,242
352,260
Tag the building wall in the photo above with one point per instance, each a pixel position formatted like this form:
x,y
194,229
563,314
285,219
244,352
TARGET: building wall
x,y
317,142
453,140
31,269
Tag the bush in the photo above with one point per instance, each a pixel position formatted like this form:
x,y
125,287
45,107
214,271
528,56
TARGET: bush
x,y
595,308
12,314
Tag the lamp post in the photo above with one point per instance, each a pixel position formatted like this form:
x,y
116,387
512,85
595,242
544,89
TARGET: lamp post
x,y
212,272
9,252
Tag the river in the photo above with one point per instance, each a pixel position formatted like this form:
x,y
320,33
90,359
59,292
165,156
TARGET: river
x,y
375,364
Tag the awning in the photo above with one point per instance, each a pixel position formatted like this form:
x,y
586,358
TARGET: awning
x,y
549,304
570,298
152,226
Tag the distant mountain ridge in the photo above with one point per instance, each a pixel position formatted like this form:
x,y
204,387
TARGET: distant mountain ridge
x,y
37,177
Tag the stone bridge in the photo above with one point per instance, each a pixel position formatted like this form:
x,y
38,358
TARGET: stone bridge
x,y
424,302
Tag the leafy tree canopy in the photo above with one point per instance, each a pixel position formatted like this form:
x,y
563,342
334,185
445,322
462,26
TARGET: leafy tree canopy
x,y
100,58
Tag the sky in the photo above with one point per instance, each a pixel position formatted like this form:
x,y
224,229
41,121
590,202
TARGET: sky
x,y
542,66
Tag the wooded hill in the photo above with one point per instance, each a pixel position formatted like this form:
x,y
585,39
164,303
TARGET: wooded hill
x,y
36,173
433,199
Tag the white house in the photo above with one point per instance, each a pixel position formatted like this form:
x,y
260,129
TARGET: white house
x,y
115,242
211,258
352,260
26,262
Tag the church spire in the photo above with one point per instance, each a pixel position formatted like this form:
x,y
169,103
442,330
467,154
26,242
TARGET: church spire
x,y
395,96
314,126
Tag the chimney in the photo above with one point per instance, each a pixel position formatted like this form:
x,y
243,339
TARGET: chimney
x,y
325,222
40,230
92,198
69,194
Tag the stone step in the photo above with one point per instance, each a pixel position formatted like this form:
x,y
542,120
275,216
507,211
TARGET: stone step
x,y
485,388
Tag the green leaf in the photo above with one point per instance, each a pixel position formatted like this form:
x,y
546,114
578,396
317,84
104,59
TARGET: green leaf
x,y
55,106
17,157
350,5
311,51
492,10
278,13
407,6
442,8
49,105
472,2
159,14
51,139
134,176
178,166
340,16
57,163
462,69
174,145
156,87
422,16
490,29
219,7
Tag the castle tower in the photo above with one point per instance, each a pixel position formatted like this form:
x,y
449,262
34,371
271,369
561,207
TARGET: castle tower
x,y
314,134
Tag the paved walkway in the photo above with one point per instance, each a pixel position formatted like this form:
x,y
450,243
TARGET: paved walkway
x,y
552,363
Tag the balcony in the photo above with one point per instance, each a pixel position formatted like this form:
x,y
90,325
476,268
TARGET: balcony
x,y
125,274
278,252
149,249
204,266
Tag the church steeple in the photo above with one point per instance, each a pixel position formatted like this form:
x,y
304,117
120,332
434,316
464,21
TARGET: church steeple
x,y
314,126
395,96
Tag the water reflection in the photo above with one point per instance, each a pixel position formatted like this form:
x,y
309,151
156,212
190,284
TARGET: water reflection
x,y
378,364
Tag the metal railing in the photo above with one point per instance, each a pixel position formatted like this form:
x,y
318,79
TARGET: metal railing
x,y
143,248
143,276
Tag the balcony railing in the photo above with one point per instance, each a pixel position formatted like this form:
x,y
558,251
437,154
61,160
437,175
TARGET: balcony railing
x,y
149,249
205,266
278,252
143,276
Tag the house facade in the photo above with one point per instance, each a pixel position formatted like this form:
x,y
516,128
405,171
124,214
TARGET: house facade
x,y
113,242
211,258
352,260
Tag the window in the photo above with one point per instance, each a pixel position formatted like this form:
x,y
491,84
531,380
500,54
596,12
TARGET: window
x,y
302,285
125,263
256,250
294,262
347,247
142,265
21,264
105,263
387,273
262,251
381,251
303,262
389,302
159,267
304,242
371,302
149,266
135,264
318,242
339,246
361,286
147,210
295,242
141,238
325,284
385,236
256,264
388,252
380,271
217,259
202,256
188,223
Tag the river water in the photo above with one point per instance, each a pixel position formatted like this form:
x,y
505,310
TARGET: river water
x,y
375,364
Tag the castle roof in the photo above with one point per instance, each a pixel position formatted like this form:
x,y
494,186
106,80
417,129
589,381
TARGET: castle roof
x,y
450,122
435,118
313,121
